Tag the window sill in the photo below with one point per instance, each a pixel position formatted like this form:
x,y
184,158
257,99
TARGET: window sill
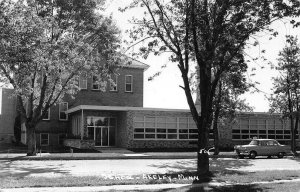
x,y
96,90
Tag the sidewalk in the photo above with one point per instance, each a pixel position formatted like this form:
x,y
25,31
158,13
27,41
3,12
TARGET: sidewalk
x,y
123,154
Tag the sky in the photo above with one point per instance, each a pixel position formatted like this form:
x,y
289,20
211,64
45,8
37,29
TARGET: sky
x,y
164,90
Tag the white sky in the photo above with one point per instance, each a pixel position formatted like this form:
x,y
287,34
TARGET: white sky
x,y
164,90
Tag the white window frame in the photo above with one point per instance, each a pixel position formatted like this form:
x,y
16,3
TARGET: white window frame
x,y
131,83
59,111
111,86
48,118
41,139
83,80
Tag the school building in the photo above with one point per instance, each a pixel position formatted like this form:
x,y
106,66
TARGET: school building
x,y
117,118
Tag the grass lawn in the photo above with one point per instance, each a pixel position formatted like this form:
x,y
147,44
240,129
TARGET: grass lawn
x,y
237,180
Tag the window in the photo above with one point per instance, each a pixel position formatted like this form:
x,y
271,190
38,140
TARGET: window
x,y
128,83
83,81
95,84
63,107
164,128
44,139
47,115
114,83
274,128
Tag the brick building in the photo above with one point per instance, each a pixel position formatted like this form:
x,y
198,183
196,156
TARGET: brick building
x,y
7,115
117,118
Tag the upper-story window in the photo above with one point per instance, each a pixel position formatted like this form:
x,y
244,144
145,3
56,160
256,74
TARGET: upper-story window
x,y
83,81
114,83
128,83
95,84
63,107
47,115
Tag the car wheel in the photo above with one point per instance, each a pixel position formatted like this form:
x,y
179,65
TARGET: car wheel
x,y
280,155
252,155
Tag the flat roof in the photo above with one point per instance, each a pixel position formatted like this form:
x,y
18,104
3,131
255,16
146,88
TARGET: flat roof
x,y
121,108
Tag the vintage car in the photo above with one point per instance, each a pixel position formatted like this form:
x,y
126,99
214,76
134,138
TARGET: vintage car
x,y
262,147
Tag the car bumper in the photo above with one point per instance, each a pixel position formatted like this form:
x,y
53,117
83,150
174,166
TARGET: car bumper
x,y
245,153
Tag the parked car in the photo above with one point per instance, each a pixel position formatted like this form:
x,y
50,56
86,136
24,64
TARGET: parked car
x,y
262,147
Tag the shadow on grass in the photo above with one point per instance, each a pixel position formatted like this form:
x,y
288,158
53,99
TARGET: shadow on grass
x,y
10,169
216,164
218,167
204,188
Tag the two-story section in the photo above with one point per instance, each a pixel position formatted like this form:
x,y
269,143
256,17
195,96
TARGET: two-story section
x,y
94,113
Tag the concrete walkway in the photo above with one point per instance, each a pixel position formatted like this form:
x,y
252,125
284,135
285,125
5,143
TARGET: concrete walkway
x,y
153,187
123,154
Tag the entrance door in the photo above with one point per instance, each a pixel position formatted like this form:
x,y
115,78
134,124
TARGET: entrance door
x,y
98,136
102,129
101,136
104,136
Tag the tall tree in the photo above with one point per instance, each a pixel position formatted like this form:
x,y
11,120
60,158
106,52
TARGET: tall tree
x,y
286,96
45,45
227,102
208,33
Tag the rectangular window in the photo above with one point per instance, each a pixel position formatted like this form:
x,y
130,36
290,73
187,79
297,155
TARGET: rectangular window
x,y
95,84
44,139
114,83
83,81
47,115
63,107
164,128
128,83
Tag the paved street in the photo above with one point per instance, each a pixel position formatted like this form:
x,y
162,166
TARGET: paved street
x,y
136,167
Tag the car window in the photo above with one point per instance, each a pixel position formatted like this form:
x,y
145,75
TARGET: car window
x,y
263,143
270,143
276,143
253,142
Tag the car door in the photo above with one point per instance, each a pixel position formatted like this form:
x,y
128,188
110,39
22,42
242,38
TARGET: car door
x,y
261,148
272,148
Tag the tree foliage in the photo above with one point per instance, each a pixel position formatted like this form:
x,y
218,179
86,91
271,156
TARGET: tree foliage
x,y
210,34
45,45
286,87
227,103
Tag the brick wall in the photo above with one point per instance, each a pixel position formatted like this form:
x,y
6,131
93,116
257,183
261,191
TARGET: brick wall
x,y
114,98
97,97
7,115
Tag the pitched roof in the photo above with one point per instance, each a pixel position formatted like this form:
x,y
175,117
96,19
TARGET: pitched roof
x,y
133,63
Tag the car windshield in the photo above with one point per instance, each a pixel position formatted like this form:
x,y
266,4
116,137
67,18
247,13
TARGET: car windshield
x,y
253,142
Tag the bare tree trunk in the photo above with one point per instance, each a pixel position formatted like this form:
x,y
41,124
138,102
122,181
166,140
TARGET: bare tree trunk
x,y
31,140
293,132
203,158
216,119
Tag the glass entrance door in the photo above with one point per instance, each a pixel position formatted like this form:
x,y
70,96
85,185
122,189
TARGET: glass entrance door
x,y
102,130
104,136
98,136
